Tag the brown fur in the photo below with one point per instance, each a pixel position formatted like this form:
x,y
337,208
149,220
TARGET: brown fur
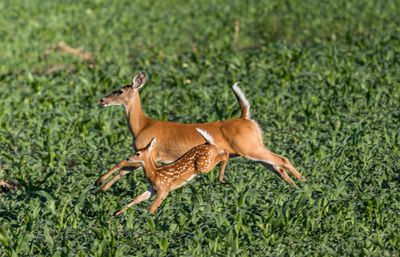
x,y
240,137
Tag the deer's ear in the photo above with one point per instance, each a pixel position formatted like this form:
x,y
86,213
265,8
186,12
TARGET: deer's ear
x,y
139,80
152,143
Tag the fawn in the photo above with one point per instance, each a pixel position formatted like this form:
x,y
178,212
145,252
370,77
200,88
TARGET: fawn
x,y
163,179
240,137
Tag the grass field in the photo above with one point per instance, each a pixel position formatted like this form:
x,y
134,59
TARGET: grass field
x,y
323,79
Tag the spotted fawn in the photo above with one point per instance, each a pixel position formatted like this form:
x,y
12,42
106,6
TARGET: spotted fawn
x,y
163,179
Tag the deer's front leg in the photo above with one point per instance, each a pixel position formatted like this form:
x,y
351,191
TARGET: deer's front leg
x,y
123,172
121,164
159,199
144,196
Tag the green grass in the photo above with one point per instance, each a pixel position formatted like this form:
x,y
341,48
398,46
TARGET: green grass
x,y
323,81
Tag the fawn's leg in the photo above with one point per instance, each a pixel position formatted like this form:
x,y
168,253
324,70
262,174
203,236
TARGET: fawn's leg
x,y
159,199
144,196
224,158
123,172
121,164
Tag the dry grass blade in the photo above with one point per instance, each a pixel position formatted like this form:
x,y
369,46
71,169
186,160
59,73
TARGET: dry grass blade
x,y
6,186
62,47
236,35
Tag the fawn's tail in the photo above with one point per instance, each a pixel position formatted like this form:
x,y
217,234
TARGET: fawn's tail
x,y
206,136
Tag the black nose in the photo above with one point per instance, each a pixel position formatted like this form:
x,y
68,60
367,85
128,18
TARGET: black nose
x,y
102,101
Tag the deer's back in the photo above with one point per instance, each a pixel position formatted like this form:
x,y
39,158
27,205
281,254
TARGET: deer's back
x,y
176,139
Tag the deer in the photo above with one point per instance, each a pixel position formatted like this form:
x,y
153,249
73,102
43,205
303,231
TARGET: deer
x,y
164,179
240,137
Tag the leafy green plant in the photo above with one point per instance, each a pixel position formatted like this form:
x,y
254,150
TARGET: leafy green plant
x,y
323,82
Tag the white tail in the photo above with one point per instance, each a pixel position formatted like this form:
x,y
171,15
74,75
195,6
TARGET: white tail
x,y
162,180
206,136
240,137
244,104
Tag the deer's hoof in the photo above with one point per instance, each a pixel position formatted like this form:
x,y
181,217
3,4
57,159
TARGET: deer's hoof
x,y
116,214
224,182
98,182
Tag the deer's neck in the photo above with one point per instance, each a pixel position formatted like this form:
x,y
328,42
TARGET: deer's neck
x,y
150,170
134,116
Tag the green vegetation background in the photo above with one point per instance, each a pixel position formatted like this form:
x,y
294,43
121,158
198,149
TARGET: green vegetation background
x,y
323,81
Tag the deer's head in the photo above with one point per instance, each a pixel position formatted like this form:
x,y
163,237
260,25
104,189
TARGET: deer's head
x,y
143,154
123,95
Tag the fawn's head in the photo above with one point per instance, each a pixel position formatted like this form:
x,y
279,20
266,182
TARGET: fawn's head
x,y
123,95
143,154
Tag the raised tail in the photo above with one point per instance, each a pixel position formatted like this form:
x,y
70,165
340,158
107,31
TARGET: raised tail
x,y
244,104
206,136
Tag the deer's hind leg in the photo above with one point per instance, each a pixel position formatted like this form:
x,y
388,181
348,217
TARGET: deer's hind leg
x,y
249,144
276,163
288,166
224,157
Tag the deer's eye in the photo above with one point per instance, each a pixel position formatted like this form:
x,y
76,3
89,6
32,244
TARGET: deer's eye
x,y
120,92
137,154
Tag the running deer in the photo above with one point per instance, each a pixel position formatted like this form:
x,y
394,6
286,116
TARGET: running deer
x,y
163,179
240,137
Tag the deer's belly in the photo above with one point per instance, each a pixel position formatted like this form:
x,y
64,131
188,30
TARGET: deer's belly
x,y
181,182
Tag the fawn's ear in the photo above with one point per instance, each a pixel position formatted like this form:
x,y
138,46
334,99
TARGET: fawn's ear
x,y
151,145
139,80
